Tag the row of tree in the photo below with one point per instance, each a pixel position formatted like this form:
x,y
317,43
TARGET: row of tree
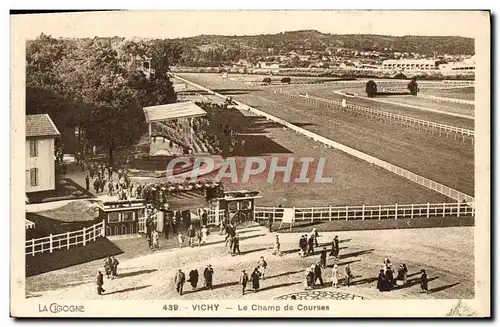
x,y
97,86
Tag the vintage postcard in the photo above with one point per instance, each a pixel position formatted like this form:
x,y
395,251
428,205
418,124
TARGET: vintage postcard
x,y
250,164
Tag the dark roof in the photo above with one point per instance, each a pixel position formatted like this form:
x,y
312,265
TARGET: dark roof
x,y
40,125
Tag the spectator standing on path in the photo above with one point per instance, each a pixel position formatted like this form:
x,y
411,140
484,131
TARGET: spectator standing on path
x,y
262,264
191,234
381,281
236,244
167,226
193,278
208,274
322,258
424,282
277,246
108,263
180,279
303,246
204,235
255,279
204,218
180,240
94,151
270,222
335,248
156,237
335,276
87,183
310,244
315,235
348,275
114,267
317,273
243,281
100,283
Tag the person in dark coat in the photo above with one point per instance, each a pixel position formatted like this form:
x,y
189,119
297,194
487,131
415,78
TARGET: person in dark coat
x,y
255,279
310,244
322,258
208,274
424,282
348,275
167,227
180,279
193,278
87,183
389,279
114,267
303,245
380,281
244,281
335,248
100,283
310,278
204,218
317,273
236,244
270,221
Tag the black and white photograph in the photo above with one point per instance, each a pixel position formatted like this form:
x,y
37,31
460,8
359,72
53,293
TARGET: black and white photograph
x,y
250,163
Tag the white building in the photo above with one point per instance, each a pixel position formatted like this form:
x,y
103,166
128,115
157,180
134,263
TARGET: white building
x,y
40,160
410,64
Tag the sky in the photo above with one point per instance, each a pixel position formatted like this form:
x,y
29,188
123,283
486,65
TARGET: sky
x,y
174,24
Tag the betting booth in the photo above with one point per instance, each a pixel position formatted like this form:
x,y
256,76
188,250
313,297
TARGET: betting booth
x,y
238,204
122,217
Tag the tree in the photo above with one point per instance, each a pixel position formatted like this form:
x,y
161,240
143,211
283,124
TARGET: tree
x,y
267,80
286,80
371,89
413,86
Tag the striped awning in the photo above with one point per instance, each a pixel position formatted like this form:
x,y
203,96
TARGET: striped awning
x,y
173,111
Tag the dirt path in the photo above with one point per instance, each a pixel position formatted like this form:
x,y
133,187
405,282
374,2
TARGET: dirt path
x,y
446,254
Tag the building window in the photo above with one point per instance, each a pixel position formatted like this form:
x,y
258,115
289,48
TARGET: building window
x,y
113,217
34,176
33,148
233,206
128,216
246,204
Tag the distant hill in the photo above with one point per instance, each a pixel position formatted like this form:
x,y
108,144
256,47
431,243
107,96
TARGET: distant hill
x,y
220,48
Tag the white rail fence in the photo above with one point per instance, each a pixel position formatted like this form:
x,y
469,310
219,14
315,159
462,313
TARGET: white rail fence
x,y
426,182
392,211
65,240
445,99
406,120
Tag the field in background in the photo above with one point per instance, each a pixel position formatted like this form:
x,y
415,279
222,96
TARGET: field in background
x,y
447,161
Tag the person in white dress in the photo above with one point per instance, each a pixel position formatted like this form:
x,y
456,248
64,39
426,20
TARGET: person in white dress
x,y
335,276
204,235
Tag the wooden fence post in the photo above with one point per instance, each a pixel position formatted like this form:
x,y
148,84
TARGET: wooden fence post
x,y
396,212
33,246
458,208
312,214
346,212
67,240
379,212
84,240
330,213
428,209
93,233
411,213
50,243
103,231
444,209
363,213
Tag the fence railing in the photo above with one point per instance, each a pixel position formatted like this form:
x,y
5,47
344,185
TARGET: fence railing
x,y
445,99
464,133
392,211
428,183
65,240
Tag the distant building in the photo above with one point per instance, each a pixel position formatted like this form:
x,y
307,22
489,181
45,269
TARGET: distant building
x,y
269,65
40,160
467,66
410,64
